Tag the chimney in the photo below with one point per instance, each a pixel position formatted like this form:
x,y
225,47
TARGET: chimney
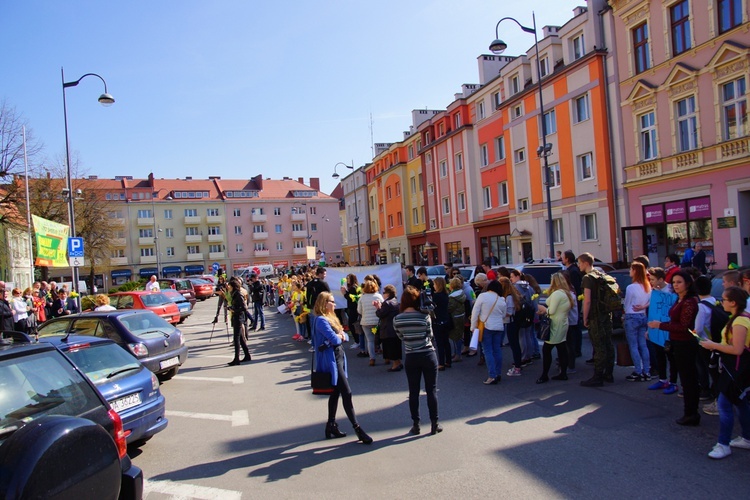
x,y
258,180
301,180
93,177
151,179
214,177
315,183
187,178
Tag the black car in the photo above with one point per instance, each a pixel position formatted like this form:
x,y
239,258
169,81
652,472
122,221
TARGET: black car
x,y
59,438
158,345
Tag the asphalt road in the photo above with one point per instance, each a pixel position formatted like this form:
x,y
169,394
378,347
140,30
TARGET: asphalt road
x,y
256,431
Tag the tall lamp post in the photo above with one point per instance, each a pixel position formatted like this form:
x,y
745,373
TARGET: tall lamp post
x,y
356,208
498,47
105,100
157,230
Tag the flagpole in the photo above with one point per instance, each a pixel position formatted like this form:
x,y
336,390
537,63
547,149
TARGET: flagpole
x,y
28,209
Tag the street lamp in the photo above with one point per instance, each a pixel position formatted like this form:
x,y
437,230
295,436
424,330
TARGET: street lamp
x,y
356,209
106,100
157,230
497,47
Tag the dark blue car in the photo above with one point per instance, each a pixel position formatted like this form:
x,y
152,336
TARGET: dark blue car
x,y
129,387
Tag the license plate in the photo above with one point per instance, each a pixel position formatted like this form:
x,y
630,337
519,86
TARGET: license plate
x,y
127,402
169,362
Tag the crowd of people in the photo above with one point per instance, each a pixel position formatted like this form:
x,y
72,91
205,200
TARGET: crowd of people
x,y
23,311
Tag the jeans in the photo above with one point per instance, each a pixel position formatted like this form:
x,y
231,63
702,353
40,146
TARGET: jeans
x,y
660,358
726,419
636,326
442,343
515,346
492,343
418,365
370,340
258,314
529,344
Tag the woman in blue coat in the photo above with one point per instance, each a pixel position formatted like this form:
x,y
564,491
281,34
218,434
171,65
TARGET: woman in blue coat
x,y
328,339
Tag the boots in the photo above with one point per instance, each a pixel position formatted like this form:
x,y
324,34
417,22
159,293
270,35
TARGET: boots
x,y
415,430
436,427
332,431
362,435
596,381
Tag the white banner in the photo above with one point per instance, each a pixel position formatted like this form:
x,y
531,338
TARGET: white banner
x,y
389,274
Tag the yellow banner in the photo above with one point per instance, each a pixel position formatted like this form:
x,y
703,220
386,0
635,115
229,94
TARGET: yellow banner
x,y
51,243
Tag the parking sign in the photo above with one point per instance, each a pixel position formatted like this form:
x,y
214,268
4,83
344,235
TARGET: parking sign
x,y
75,247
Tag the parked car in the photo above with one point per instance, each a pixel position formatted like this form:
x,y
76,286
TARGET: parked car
x,y
156,302
158,345
185,307
434,271
203,288
182,285
208,277
51,416
128,386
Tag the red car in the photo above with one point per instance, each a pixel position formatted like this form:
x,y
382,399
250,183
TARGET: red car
x,y
157,302
203,288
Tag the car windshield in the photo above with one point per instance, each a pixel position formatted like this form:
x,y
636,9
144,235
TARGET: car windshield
x,y
146,325
199,281
175,296
542,274
103,362
154,299
40,384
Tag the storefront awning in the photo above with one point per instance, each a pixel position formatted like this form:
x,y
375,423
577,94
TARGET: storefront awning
x,y
194,269
121,273
148,271
171,270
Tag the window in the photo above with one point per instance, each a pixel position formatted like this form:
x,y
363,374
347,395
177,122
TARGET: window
x,y
191,212
170,251
257,211
390,221
145,214
484,157
519,155
192,231
544,66
236,212
169,232
277,228
502,193
457,120
259,228
414,216
496,100
487,197
517,112
648,136
459,162
313,226
446,205
168,213
515,86
554,175
214,248
640,48
523,205
297,227
557,230
238,248
237,229
279,246
147,252
730,14
212,212
588,227
585,167
146,233
550,122
398,188
581,111
214,230
388,194
461,202
480,110
433,224
411,151
441,130
419,181
117,253
443,169
687,124
260,247
734,114
579,48
679,15
428,158
313,210
413,184
499,148
399,219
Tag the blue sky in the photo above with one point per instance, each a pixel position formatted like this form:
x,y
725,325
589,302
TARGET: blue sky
x,y
240,88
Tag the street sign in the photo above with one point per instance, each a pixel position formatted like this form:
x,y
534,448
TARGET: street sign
x,y
75,247
215,266
76,262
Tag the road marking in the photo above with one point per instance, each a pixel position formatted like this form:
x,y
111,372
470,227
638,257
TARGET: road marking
x,y
232,380
219,356
238,417
181,490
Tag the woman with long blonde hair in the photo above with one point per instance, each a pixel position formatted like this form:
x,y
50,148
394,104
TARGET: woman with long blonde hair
x,y
559,303
635,321
328,339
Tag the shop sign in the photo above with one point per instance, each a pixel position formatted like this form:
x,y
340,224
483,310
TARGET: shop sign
x,y
240,265
699,208
675,211
280,263
653,214
726,222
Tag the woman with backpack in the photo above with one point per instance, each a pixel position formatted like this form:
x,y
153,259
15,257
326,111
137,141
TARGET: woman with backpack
x,y
735,361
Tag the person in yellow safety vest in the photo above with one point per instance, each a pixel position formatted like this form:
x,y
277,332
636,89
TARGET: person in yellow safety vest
x,y
299,311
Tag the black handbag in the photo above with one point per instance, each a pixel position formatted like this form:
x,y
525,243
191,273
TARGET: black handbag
x,y
543,332
320,381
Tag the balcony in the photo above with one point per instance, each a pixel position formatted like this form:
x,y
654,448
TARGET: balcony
x,y
118,221
298,217
119,242
216,255
299,234
260,236
734,149
192,220
118,261
145,221
215,238
214,219
262,253
146,240
192,257
151,259
193,238
299,251
258,217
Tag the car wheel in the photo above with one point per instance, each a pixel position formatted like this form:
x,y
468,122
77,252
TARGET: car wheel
x,y
140,442
203,298
168,374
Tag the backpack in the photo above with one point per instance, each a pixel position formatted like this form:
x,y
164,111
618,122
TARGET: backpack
x,y
608,291
719,319
524,315
426,305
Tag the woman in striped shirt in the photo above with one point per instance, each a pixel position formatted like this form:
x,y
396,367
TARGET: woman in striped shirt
x,y
415,330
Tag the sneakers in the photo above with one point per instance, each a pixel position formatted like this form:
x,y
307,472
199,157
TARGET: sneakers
x,y
658,385
297,337
634,377
646,376
525,362
740,442
711,409
354,346
514,372
720,451
671,389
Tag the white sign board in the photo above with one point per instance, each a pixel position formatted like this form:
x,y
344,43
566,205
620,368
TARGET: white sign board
x,y
76,262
